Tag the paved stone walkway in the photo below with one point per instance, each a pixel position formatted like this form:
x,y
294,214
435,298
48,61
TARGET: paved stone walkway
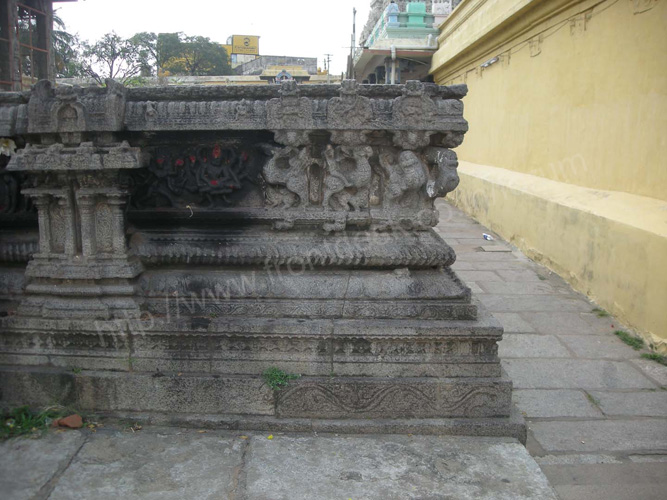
x,y
596,411
170,463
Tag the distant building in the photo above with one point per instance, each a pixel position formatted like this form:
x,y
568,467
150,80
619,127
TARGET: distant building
x,y
398,46
274,69
242,49
26,52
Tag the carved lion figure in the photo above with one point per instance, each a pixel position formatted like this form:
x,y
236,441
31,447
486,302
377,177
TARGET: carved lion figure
x,y
347,183
406,177
288,167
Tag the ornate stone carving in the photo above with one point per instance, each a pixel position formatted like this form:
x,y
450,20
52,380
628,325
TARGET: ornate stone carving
x,y
443,164
202,175
290,111
75,110
286,173
157,210
350,110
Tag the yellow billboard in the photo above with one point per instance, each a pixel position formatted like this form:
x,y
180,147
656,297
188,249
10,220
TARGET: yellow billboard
x,y
244,44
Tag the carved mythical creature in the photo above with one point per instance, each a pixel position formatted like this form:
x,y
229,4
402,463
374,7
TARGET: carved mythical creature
x,y
288,167
444,162
407,176
201,176
348,177
219,174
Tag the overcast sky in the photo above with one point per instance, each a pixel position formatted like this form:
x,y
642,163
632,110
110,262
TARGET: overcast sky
x,y
308,28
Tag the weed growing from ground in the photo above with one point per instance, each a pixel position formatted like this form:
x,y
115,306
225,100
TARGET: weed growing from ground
x,y
601,313
277,379
635,342
654,356
22,420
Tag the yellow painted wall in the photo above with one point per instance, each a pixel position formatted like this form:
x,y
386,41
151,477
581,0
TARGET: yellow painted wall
x,y
578,98
590,109
607,244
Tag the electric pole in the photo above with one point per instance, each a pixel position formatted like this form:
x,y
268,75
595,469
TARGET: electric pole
x,y
350,69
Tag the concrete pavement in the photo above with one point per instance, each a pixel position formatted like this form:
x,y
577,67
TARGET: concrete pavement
x,y
596,411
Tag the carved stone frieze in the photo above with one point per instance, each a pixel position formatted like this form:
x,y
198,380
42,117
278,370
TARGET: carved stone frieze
x,y
202,176
340,398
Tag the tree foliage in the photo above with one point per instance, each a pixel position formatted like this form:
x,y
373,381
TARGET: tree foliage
x,y
66,50
197,56
111,57
144,54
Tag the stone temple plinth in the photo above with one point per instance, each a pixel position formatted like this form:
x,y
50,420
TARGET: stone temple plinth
x,y
162,248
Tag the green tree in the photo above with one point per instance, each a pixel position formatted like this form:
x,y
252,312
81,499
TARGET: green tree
x,y
198,56
66,50
145,44
111,57
168,46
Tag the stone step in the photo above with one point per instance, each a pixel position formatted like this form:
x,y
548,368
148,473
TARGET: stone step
x,y
468,406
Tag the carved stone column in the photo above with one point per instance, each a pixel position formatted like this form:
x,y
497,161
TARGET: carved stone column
x,y
83,269
42,201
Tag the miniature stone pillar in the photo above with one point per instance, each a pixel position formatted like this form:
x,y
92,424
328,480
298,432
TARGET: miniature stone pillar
x,y
117,200
42,201
86,204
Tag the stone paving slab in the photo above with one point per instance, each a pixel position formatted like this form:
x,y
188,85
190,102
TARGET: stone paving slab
x,y
153,465
553,391
487,265
574,374
618,481
649,491
556,403
496,248
518,287
394,467
521,303
483,276
27,465
601,435
563,323
638,404
528,345
514,323
163,463
520,275
598,347
499,257
651,369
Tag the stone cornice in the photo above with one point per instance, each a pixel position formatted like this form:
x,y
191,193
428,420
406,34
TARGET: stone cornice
x,y
522,21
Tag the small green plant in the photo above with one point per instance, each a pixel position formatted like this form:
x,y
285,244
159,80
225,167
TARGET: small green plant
x,y
593,401
277,379
601,313
76,370
542,278
23,420
654,356
635,342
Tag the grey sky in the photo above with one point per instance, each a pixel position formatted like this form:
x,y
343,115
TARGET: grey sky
x,y
307,28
